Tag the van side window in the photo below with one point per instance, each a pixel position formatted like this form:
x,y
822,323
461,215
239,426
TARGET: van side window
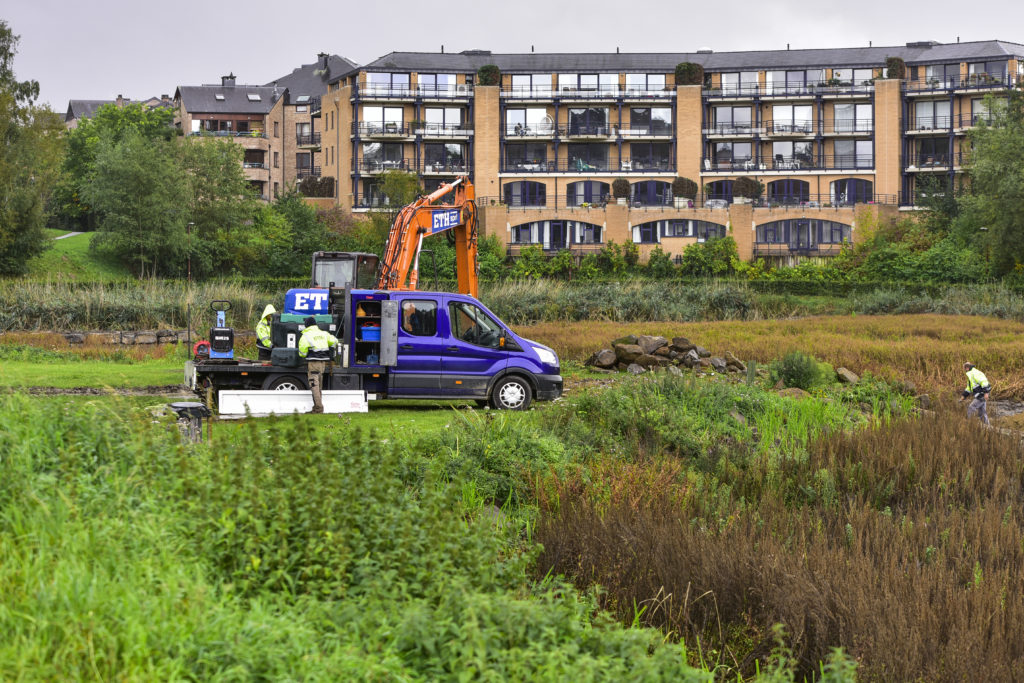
x,y
472,325
419,317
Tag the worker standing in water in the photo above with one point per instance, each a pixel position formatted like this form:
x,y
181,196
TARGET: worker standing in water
x,y
978,387
315,345
263,341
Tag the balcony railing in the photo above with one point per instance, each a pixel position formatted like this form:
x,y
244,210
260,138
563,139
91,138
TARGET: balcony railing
x,y
784,163
789,127
733,129
580,166
604,92
537,130
970,82
934,160
382,165
442,130
576,249
308,139
848,127
595,131
796,248
700,201
445,167
253,164
379,129
458,90
230,133
315,106
943,123
783,89
659,131
306,171
818,201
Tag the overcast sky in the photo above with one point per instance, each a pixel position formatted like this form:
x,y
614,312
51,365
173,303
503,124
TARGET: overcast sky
x,y
140,48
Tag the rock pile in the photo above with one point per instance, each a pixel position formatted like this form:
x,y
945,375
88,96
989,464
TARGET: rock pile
x,y
638,354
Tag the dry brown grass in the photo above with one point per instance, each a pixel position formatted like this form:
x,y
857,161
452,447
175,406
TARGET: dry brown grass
x,y
91,349
903,544
925,349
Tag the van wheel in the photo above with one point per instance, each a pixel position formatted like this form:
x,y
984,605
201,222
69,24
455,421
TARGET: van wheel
x,y
285,383
511,393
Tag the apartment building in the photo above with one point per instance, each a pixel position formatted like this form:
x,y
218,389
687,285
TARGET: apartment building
x,y
833,140
86,109
271,122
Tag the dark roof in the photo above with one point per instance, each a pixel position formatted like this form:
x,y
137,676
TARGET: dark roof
x,y
203,98
84,109
310,80
471,60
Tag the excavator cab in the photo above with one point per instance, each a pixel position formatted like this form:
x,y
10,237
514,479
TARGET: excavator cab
x,y
344,270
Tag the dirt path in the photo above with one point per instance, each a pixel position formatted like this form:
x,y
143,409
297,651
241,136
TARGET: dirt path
x,y
70,234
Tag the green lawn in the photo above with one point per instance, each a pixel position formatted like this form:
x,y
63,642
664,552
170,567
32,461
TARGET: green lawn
x,y
17,373
71,258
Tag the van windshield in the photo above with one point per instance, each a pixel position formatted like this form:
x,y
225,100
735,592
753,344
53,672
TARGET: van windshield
x,y
470,324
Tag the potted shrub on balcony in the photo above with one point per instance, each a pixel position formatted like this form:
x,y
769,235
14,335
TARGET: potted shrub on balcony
x,y
488,74
684,191
417,127
745,189
689,73
620,189
895,67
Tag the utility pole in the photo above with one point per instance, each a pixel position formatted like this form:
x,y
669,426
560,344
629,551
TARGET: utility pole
x,y
188,305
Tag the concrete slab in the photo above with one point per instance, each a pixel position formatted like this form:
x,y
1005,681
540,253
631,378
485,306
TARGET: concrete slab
x,y
234,403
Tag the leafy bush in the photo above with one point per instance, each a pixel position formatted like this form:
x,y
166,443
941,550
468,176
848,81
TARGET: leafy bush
x,y
689,73
797,369
745,186
715,257
659,264
684,187
620,188
488,74
895,67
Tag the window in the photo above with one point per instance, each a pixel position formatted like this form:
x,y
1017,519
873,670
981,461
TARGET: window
x,y
789,118
587,157
646,233
528,121
720,189
730,120
253,96
980,110
442,85
789,191
802,233
650,156
945,75
444,157
277,160
853,118
441,119
740,82
527,233
931,115
986,72
419,317
525,193
470,324
640,84
932,152
853,154
219,97
732,154
587,233
387,84
277,131
650,121
527,156
793,82
792,155
377,119
589,121
851,191
604,84
300,108
586,192
650,233
302,132
379,156
302,160
847,76
531,85
651,193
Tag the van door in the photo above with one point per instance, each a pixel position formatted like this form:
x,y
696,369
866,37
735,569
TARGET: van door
x,y
472,352
420,346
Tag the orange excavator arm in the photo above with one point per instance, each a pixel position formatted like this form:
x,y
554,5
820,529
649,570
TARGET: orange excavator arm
x,y
400,265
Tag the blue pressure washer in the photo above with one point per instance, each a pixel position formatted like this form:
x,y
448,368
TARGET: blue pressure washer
x,y
222,337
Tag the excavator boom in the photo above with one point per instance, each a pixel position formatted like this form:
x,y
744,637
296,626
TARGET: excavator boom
x,y
400,265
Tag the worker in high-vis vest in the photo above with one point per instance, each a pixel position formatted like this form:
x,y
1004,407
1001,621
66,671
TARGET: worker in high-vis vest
x,y
263,341
315,346
978,388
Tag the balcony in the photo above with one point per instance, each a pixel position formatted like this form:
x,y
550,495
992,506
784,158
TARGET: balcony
x,y
577,250
796,249
928,125
726,130
308,140
307,171
596,132
439,131
972,83
445,168
944,161
230,133
527,93
372,91
376,129
848,127
315,105
664,132
828,162
254,164
828,89
536,131
640,166
790,128
382,165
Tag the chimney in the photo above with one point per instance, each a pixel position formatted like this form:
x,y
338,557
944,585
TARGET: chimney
x,y
120,101
166,99
322,57
228,80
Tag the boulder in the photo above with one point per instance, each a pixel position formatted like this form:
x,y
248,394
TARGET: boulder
x,y
718,364
681,344
735,414
627,340
650,361
674,371
691,359
847,376
651,344
605,358
635,369
664,352
704,363
702,352
793,392
906,388
923,401
166,336
733,361
145,338
627,353
75,338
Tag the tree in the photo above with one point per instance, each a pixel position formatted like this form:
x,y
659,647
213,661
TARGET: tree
x,y
996,196
30,149
110,123
488,74
745,186
141,197
689,73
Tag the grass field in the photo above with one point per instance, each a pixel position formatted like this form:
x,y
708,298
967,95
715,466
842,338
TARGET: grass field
x,y
70,259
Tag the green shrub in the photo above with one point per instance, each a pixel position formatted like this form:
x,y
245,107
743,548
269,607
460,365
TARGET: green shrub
x,y
745,186
620,188
684,187
797,369
659,264
689,73
488,74
895,67
715,257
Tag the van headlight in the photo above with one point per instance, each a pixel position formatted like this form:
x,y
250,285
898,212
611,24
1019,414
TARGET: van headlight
x,y
546,356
